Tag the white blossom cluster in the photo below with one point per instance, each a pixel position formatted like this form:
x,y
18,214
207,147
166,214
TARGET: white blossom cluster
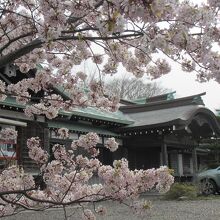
x,y
67,179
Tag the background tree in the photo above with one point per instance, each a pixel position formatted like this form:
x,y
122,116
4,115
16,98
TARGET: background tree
x,y
125,87
59,35
132,88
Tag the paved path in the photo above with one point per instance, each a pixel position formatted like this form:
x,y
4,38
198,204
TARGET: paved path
x,y
162,210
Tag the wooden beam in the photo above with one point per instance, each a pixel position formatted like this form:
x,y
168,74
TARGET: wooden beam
x,y
14,115
12,122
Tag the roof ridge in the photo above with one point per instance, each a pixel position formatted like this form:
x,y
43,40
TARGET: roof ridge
x,y
188,100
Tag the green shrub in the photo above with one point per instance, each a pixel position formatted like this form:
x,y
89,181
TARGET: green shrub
x,y
182,190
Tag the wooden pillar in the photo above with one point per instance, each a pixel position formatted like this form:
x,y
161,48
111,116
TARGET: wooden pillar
x,y
195,163
180,164
125,152
164,154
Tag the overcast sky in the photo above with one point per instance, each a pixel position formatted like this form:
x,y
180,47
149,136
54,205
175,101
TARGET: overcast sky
x,y
185,84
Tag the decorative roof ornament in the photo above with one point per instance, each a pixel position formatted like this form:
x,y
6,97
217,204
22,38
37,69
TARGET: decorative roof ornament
x,y
10,70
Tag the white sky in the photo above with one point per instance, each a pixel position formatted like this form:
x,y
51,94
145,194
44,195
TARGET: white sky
x,y
185,84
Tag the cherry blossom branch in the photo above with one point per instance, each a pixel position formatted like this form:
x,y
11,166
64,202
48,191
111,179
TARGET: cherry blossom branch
x,y
39,98
38,43
14,40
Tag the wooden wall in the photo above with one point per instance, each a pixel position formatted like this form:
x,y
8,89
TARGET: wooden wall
x,y
33,129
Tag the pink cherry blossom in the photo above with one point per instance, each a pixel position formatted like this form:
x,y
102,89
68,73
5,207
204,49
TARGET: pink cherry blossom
x,y
8,134
63,133
2,91
35,151
111,144
67,178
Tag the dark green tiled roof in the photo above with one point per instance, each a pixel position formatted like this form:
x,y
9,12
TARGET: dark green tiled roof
x,y
144,100
94,113
9,101
140,101
75,126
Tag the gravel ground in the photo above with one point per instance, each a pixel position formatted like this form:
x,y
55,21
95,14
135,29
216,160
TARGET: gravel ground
x,y
161,210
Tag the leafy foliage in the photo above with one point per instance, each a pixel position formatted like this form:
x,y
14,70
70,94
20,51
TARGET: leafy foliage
x,y
178,190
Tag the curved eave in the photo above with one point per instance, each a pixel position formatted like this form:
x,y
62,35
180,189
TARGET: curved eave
x,y
181,123
164,104
81,128
143,127
214,124
96,117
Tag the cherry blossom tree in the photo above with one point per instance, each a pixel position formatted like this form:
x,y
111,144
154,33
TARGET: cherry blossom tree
x,y
58,35
55,36
67,177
